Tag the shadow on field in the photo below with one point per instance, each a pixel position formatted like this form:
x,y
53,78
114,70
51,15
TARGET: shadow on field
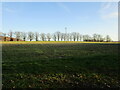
x,y
60,65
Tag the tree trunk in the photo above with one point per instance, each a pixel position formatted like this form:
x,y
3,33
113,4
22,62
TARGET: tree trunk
x,y
24,39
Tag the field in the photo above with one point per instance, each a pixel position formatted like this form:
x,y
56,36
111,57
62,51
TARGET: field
x,y
60,65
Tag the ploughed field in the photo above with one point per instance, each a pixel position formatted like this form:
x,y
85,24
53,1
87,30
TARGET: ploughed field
x,y
63,65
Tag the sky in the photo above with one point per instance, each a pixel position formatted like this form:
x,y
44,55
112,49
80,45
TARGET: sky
x,y
49,17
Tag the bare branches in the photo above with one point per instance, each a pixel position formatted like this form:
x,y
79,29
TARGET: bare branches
x,y
54,37
74,34
57,36
36,36
17,35
10,34
49,36
43,37
108,39
24,36
30,36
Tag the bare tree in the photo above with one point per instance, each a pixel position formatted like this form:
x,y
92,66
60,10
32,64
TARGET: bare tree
x,y
86,38
70,36
99,38
58,35
102,39
30,36
94,37
4,35
18,35
24,35
62,36
80,37
10,34
54,37
36,36
48,36
43,38
74,34
89,38
108,39
77,36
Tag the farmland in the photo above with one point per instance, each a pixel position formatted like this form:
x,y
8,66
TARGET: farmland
x,y
60,65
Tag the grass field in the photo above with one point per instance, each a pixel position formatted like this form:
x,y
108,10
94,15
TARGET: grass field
x,y
61,65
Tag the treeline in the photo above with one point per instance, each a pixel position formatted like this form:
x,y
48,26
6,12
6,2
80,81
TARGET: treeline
x,y
57,36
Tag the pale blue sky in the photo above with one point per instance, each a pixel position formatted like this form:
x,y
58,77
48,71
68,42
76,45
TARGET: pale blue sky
x,y
49,17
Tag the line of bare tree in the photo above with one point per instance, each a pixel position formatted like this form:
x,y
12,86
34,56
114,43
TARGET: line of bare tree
x,y
57,36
